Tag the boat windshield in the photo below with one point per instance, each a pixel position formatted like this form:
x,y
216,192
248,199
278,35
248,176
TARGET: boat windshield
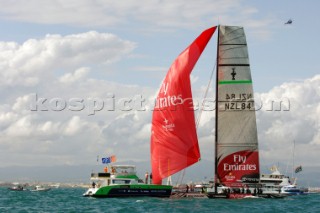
x,y
123,169
121,181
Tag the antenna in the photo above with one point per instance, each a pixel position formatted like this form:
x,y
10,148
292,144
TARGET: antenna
x,y
294,143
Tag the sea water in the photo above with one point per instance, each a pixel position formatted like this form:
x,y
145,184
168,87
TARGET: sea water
x,y
71,200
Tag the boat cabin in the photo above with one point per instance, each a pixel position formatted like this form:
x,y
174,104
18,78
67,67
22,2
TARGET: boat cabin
x,y
119,174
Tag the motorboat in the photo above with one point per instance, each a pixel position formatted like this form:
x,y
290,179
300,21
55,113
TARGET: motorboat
x,y
272,183
122,181
40,188
16,188
292,190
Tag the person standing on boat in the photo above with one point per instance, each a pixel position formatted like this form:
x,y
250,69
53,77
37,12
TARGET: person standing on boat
x,y
146,176
151,178
105,169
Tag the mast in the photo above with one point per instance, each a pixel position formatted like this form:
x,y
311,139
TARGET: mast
x,y
216,119
294,143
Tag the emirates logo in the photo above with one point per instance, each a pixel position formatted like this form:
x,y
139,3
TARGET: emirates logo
x,y
168,126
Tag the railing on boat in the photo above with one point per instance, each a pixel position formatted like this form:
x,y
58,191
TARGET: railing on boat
x,y
103,174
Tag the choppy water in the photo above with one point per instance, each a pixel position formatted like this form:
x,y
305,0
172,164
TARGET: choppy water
x,y
71,200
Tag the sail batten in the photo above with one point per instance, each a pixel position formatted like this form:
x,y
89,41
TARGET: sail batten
x,y
232,44
232,65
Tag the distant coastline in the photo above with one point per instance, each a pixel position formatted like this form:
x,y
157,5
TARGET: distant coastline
x,y
79,175
49,184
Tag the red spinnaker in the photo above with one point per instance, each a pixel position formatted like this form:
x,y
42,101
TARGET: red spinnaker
x,y
174,143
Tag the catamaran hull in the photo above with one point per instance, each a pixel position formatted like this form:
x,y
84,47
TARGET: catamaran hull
x,y
131,191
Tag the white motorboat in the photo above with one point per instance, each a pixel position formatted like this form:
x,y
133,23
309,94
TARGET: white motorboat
x,y
277,183
272,183
292,190
39,188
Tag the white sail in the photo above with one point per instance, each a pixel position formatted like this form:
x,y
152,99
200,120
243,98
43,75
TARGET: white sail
x,y
236,132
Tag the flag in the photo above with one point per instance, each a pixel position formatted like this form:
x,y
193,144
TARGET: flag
x,y
273,168
105,160
298,169
110,159
113,158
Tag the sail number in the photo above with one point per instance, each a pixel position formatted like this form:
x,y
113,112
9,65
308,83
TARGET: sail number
x,y
238,105
237,102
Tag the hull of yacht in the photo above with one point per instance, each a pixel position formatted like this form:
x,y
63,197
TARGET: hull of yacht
x,y
134,190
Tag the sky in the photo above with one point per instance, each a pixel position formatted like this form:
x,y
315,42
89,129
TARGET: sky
x,y
77,77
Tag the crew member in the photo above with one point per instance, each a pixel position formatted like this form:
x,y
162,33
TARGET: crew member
x,y
146,176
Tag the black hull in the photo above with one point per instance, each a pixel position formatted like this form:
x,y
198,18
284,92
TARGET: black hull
x,y
273,196
217,196
16,189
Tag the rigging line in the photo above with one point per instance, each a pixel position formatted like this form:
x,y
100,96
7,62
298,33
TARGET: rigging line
x,y
178,179
182,176
205,96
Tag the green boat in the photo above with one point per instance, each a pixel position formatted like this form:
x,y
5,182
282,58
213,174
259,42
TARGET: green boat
x,y
123,181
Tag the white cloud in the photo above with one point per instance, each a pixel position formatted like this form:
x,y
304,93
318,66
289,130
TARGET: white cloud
x,y
56,137
31,61
279,129
79,74
21,104
60,66
21,127
159,14
74,125
7,116
279,126
127,134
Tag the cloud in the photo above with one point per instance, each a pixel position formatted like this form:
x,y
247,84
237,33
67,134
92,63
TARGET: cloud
x,y
79,74
61,68
127,133
74,126
279,128
289,113
157,15
33,60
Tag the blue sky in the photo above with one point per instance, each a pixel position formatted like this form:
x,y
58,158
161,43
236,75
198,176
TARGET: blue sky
x,y
270,41
91,49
